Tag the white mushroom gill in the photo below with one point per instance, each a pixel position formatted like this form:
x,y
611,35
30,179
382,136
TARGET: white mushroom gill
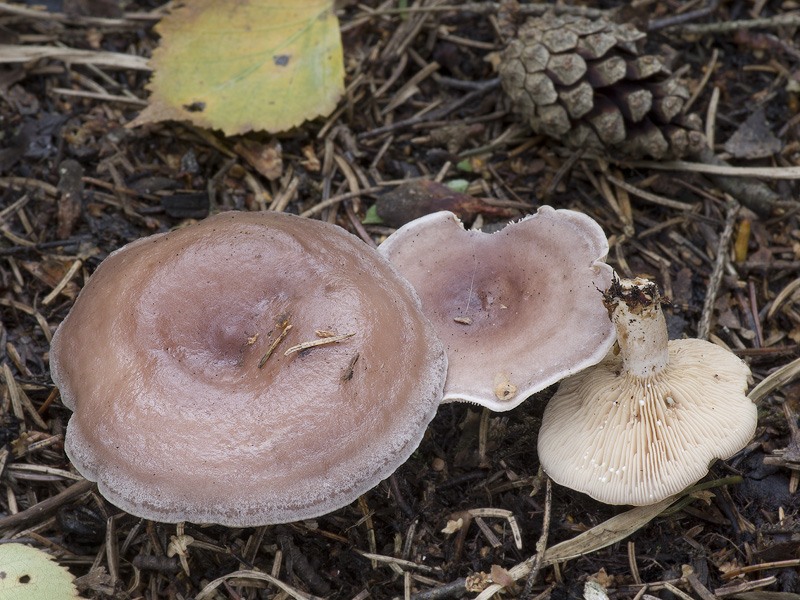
x,y
646,422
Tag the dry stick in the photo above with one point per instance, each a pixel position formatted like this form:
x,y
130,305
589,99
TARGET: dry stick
x,y
454,588
654,198
493,7
728,26
314,343
565,168
774,380
274,345
541,545
736,181
637,579
100,96
336,199
754,194
45,508
703,82
674,21
114,60
208,590
437,113
697,585
130,19
711,116
716,275
302,567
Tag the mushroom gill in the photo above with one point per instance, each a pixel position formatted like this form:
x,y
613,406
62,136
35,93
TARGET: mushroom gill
x,y
644,423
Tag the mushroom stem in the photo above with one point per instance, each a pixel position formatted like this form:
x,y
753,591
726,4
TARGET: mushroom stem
x,y
634,306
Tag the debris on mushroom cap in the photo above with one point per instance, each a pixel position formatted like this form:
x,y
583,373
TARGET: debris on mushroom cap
x,y
645,423
179,416
517,310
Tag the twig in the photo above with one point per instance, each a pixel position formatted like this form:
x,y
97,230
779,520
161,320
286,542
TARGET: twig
x,y
493,7
655,199
718,169
208,590
728,26
45,508
274,345
448,590
775,380
675,21
541,545
703,82
735,181
130,19
716,275
565,168
98,96
711,116
114,60
320,342
336,199
435,114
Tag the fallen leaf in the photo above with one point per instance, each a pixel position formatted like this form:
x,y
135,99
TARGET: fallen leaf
x,y
418,198
267,159
500,576
50,271
249,65
753,138
30,574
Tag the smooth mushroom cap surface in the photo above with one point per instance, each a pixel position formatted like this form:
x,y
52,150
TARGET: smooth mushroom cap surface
x,y
518,309
645,423
174,418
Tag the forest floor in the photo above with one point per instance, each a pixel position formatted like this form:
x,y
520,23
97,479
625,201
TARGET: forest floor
x,y
75,184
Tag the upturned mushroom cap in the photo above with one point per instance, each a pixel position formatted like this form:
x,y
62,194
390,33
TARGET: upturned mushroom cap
x,y
174,418
517,309
646,423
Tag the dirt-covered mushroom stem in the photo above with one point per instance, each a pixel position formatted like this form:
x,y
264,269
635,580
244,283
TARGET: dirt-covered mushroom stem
x,y
645,422
635,309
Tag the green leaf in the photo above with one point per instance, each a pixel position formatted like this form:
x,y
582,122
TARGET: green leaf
x,y
458,185
465,165
372,217
246,65
30,574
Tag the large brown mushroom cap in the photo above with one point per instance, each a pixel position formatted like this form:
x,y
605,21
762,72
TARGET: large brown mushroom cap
x,y
645,423
174,418
517,310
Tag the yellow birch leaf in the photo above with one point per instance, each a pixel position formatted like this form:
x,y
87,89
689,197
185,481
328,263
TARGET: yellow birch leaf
x,y
30,574
246,65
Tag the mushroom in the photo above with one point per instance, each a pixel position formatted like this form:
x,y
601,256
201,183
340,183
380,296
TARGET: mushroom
x,y
253,368
516,309
647,421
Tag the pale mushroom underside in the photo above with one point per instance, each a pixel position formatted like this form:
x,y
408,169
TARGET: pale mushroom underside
x,y
626,440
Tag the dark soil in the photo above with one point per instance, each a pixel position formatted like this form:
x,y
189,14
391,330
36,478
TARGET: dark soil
x,y
75,184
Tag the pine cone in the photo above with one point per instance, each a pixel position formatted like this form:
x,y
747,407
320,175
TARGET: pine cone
x,y
589,84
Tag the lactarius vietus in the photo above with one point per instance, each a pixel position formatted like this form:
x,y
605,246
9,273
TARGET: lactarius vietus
x,y
647,421
517,309
253,368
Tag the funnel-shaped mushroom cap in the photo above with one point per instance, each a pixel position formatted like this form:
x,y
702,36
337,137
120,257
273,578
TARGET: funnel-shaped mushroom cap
x,y
517,310
646,423
174,417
